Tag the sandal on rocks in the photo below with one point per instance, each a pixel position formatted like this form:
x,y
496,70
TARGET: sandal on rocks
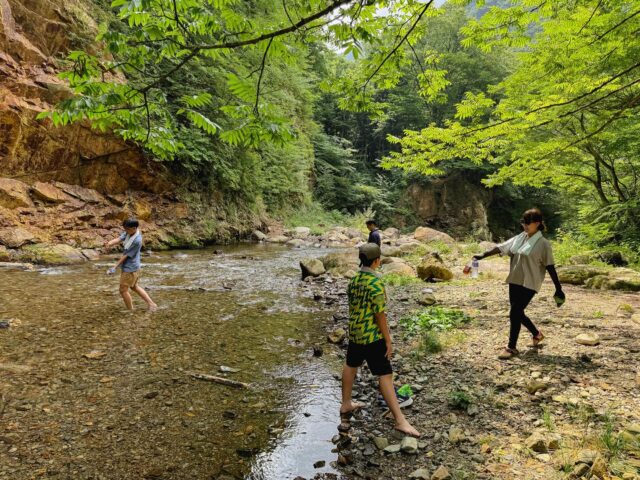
x,y
537,339
508,353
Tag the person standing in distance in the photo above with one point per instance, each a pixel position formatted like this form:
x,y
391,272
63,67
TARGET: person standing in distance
x,y
130,263
531,256
370,338
374,233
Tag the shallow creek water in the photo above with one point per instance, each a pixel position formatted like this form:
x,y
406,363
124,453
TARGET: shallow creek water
x,y
133,411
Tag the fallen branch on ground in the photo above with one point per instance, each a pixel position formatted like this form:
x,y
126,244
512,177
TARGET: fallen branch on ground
x,y
220,380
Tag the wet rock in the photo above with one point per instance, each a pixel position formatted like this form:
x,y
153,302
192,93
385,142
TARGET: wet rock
x,y
14,194
381,442
441,473
337,336
258,235
311,267
90,254
590,339
421,474
46,254
344,427
409,445
296,243
16,237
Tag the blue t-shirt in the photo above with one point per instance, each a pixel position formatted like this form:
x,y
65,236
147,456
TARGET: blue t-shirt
x,y
132,263
374,237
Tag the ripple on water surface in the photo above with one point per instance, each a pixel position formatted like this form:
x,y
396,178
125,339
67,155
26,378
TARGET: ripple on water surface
x,y
134,410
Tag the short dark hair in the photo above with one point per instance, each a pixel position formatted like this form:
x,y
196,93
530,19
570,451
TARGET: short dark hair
x,y
364,261
534,215
130,223
371,222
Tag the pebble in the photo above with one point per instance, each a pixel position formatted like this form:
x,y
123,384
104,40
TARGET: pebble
x,y
409,445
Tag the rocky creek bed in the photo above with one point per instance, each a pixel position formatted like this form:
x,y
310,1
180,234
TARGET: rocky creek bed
x,y
87,392
570,409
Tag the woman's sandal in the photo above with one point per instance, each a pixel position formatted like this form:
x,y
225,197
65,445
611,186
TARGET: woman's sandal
x,y
537,339
508,353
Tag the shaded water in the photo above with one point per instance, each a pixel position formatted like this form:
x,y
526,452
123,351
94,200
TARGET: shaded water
x,y
134,411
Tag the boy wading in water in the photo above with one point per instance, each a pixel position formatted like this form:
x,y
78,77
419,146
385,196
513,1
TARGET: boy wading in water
x,y
369,337
131,240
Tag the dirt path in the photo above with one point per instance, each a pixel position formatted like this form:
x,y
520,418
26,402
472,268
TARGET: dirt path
x,y
584,395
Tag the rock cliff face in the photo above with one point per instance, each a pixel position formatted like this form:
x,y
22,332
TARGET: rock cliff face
x,y
72,186
453,204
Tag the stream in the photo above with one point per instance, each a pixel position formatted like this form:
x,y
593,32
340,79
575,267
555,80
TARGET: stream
x,y
91,391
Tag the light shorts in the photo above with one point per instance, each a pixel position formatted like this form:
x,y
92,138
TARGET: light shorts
x,y
129,279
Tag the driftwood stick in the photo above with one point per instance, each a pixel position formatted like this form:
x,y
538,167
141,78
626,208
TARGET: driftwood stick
x,y
220,380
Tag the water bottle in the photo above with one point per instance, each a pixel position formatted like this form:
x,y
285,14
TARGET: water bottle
x,y
475,265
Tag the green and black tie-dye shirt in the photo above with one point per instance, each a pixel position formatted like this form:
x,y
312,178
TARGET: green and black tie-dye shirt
x,y
366,298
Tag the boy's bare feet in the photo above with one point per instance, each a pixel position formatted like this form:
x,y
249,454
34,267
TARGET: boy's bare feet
x,y
350,407
407,428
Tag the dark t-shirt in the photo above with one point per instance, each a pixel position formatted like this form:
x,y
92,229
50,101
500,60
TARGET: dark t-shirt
x,y
374,237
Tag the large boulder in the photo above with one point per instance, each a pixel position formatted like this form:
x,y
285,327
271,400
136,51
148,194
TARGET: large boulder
x,y
399,268
15,237
616,279
390,251
430,267
341,262
14,194
311,267
391,233
258,235
277,239
579,274
49,193
410,247
426,234
46,254
301,232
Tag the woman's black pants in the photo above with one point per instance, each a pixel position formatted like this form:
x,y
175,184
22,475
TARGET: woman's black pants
x,y
519,298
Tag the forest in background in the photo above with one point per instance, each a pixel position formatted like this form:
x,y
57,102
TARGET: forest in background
x,y
301,108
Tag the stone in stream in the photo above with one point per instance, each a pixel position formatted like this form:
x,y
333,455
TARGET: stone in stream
x,y
409,445
258,235
590,339
319,464
441,473
311,267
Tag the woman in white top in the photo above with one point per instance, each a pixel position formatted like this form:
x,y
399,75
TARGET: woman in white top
x,y
531,257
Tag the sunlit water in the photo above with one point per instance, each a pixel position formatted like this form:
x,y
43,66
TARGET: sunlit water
x,y
134,411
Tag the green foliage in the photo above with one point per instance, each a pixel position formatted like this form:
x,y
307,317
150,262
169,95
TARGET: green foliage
x,y
564,117
459,400
435,318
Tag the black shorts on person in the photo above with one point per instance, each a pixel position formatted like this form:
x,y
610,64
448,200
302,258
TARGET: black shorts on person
x,y
373,353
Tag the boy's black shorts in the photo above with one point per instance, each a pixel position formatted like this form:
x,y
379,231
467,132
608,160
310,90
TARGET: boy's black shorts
x,y
373,353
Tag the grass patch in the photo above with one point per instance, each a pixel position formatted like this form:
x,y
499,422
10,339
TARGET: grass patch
x,y
320,220
459,400
547,419
598,314
398,280
433,327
